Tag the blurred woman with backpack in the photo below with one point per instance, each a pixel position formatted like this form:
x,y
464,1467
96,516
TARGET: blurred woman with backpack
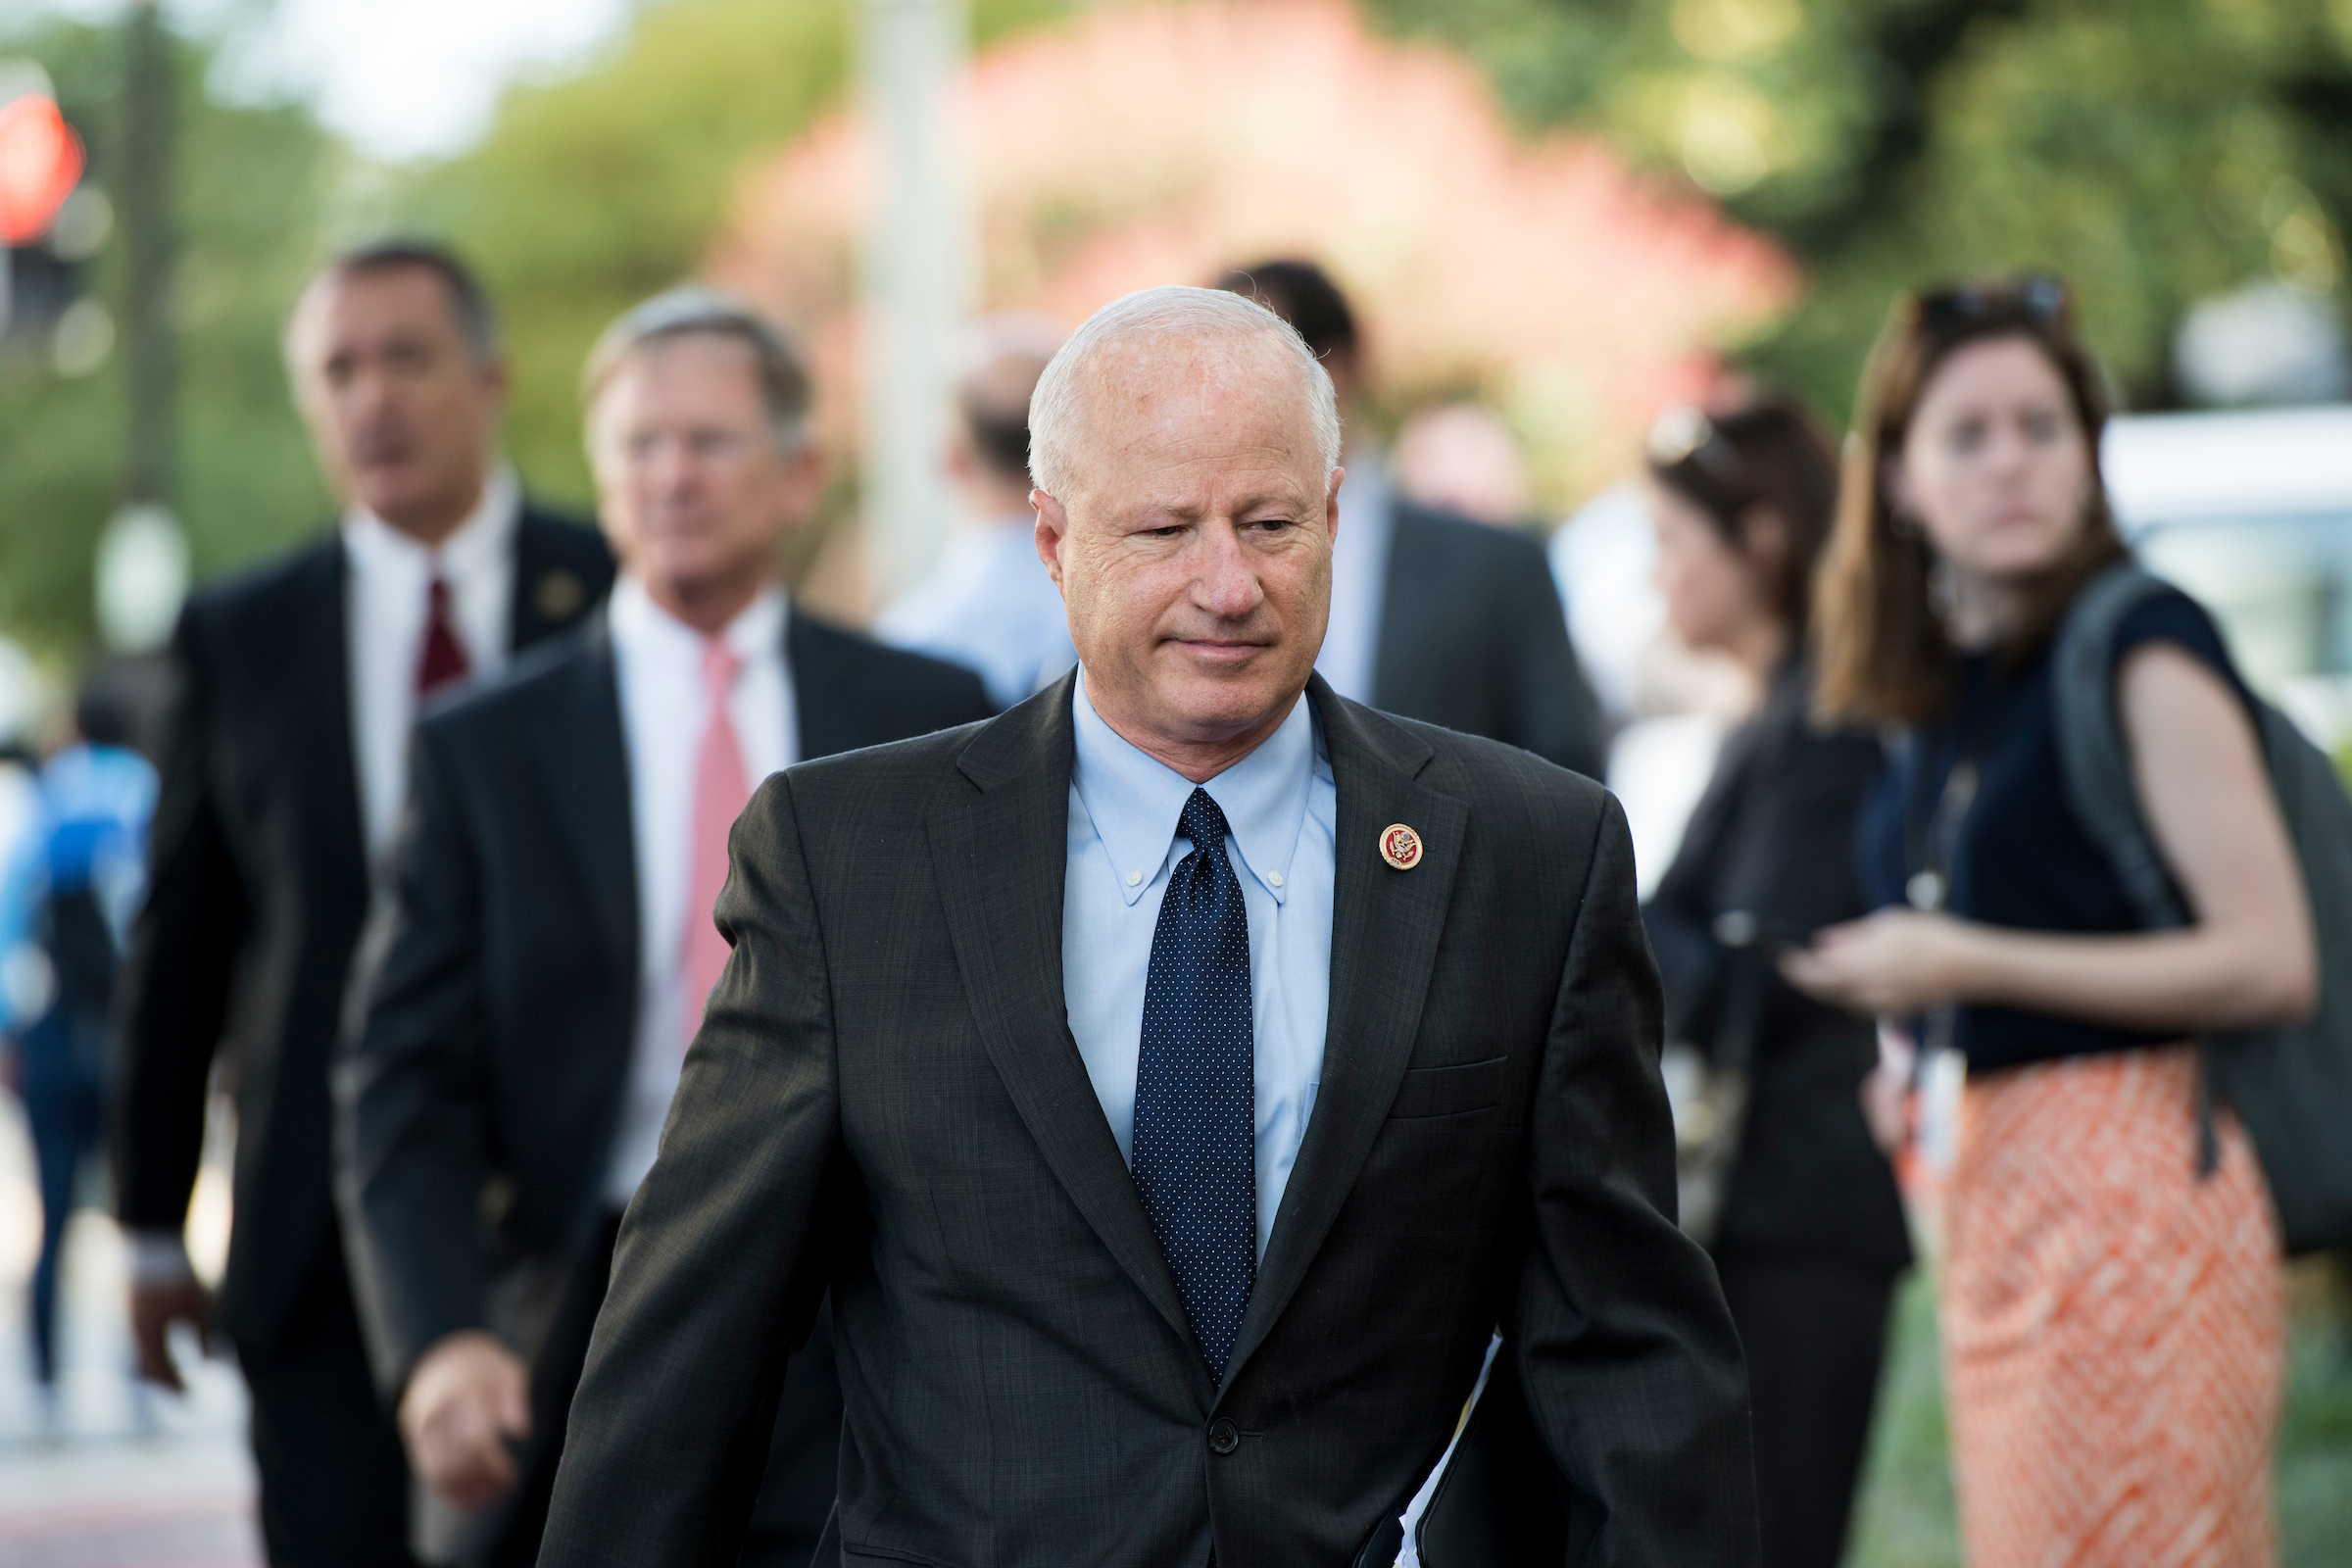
x,y
2113,1301
1808,1235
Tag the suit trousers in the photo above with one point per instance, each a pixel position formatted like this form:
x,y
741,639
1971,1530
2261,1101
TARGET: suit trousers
x,y
334,1481
796,1496
1815,1336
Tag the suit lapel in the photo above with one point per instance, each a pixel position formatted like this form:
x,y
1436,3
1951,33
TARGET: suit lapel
x,y
1001,852
823,699
584,755
549,595
1408,603
1384,927
319,654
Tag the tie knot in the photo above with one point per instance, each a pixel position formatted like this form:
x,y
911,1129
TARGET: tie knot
x,y
1204,823
436,593
721,665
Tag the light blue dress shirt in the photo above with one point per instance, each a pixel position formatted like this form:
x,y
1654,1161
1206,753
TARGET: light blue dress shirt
x,y
1283,809
991,606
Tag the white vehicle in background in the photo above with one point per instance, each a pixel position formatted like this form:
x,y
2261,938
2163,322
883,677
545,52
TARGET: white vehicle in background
x,y
2251,513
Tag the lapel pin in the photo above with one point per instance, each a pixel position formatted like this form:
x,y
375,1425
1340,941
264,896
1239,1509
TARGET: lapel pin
x,y
1400,845
560,595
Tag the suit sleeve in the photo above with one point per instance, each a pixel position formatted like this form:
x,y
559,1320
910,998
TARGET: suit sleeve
x,y
1623,1343
412,1091
1553,712
725,1250
174,1006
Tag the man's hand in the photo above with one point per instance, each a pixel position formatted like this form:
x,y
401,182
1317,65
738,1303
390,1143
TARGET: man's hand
x,y
468,1397
154,1306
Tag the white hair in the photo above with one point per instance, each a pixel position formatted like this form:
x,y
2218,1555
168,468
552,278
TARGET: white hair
x,y
1056,407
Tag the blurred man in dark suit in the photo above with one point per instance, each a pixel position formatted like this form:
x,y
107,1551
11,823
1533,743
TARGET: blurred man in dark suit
x,y
1175,1081
553,943
283,773
1432,617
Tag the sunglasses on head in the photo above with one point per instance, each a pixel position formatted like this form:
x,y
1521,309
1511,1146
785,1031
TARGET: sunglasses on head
x,y
2040,297
1684,434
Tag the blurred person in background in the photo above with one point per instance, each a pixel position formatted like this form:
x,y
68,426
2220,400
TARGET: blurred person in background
x,y
284,776
989,604
1460,456
72,882
1811,1235
2113,1305
552,942
1432,617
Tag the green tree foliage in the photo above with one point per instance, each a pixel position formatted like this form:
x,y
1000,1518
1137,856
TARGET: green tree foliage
x,y
591,193
252,184
2154,151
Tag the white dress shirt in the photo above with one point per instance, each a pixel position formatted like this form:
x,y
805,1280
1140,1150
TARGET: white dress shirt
x,y
664,710
385,590
1282,813
990,606
1359,578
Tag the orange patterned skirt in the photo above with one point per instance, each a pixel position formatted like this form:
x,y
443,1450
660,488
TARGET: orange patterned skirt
x,y
2113,1328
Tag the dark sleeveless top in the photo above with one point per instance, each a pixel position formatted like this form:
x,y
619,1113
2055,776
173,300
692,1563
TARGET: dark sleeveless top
x,y
2019,858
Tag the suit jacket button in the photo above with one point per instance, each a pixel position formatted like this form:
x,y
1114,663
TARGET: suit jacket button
x,y
1223,1436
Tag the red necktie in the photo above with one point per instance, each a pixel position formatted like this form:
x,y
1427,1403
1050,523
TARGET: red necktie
x,y
442,659
722,786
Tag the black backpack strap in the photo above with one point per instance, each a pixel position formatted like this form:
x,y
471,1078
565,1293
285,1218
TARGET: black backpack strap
x,y
2097,771
2092,757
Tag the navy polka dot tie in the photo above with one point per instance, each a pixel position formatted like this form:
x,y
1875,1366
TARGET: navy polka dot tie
x,y
1195,1088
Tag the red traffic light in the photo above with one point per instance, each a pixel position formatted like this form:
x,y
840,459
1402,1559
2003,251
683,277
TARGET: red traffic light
x,y
40,163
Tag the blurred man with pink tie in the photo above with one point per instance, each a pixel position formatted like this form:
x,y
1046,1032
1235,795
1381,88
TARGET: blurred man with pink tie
x,y
552,942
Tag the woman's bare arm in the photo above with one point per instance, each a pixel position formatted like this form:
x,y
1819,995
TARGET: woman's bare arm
x,y
2204,790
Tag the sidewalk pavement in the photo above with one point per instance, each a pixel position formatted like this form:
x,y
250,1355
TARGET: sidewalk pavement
x,y
119,1477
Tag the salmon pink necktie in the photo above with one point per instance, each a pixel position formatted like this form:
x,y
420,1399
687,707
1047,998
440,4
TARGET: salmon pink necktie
x,y
722,789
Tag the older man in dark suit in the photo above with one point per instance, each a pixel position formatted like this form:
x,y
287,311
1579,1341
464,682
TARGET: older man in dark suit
x,y
283,772
1175,1082
552,942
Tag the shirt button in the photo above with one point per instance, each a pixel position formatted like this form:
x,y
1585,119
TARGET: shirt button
x,y
1223,1436
1135,878
1274,878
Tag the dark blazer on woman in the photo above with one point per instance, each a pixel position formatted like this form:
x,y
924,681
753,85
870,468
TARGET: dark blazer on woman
x,y
1770,847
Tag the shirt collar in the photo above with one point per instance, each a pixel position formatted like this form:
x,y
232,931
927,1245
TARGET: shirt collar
x,y
642,626
1136,800
478,542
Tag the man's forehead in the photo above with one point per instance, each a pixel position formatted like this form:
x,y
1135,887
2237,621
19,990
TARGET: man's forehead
x,y
407,295
1167,390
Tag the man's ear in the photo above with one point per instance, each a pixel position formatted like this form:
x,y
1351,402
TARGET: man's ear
x,y
497,381
1053,528
804,483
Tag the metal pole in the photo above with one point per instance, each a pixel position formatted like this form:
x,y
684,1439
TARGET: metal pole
x,y
921,267
142,562
150,471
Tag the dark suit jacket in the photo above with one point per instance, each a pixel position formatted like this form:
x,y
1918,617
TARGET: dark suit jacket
x,y
496,1051
1472,638
258,894
885,1100
1773,839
